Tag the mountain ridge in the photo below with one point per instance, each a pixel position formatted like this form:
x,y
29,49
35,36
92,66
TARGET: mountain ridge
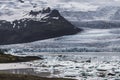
x,y
30,29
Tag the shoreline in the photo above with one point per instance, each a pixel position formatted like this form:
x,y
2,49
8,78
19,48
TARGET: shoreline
x,y
79,67
9,76
8,58
25,70
10,66
14,68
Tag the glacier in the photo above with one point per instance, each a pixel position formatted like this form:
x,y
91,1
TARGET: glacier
x,y
91,55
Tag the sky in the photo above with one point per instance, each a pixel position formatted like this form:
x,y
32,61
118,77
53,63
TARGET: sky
x,y
13,7
84,4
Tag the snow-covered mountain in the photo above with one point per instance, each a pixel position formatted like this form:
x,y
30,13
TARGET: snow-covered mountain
x,y
88,38
73,10
15,9
33,29
105,13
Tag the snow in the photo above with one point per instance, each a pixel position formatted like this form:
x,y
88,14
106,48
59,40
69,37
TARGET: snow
x,y
17,9
12,9
55,18
72,65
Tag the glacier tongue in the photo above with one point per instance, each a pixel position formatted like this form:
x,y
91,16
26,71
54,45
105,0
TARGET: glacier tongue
x,y
91,40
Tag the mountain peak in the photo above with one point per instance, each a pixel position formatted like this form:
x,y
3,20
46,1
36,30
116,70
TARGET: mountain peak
x,y
54,13
30,29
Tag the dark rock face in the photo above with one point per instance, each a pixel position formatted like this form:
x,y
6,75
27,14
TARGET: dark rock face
x,y
21,1
28,30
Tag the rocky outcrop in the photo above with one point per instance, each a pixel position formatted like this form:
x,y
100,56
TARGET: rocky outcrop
x,y
29,29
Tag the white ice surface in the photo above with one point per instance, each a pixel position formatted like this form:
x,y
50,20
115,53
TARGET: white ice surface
x,y
74,66
104,40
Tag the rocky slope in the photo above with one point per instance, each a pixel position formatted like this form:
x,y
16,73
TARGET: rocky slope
x,y
32,29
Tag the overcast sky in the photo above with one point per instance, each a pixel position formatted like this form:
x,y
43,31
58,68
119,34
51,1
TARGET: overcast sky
x,y
86,4
95,2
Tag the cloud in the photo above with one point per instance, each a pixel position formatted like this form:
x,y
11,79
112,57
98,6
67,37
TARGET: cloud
x,y
80,4
95,2
89,4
